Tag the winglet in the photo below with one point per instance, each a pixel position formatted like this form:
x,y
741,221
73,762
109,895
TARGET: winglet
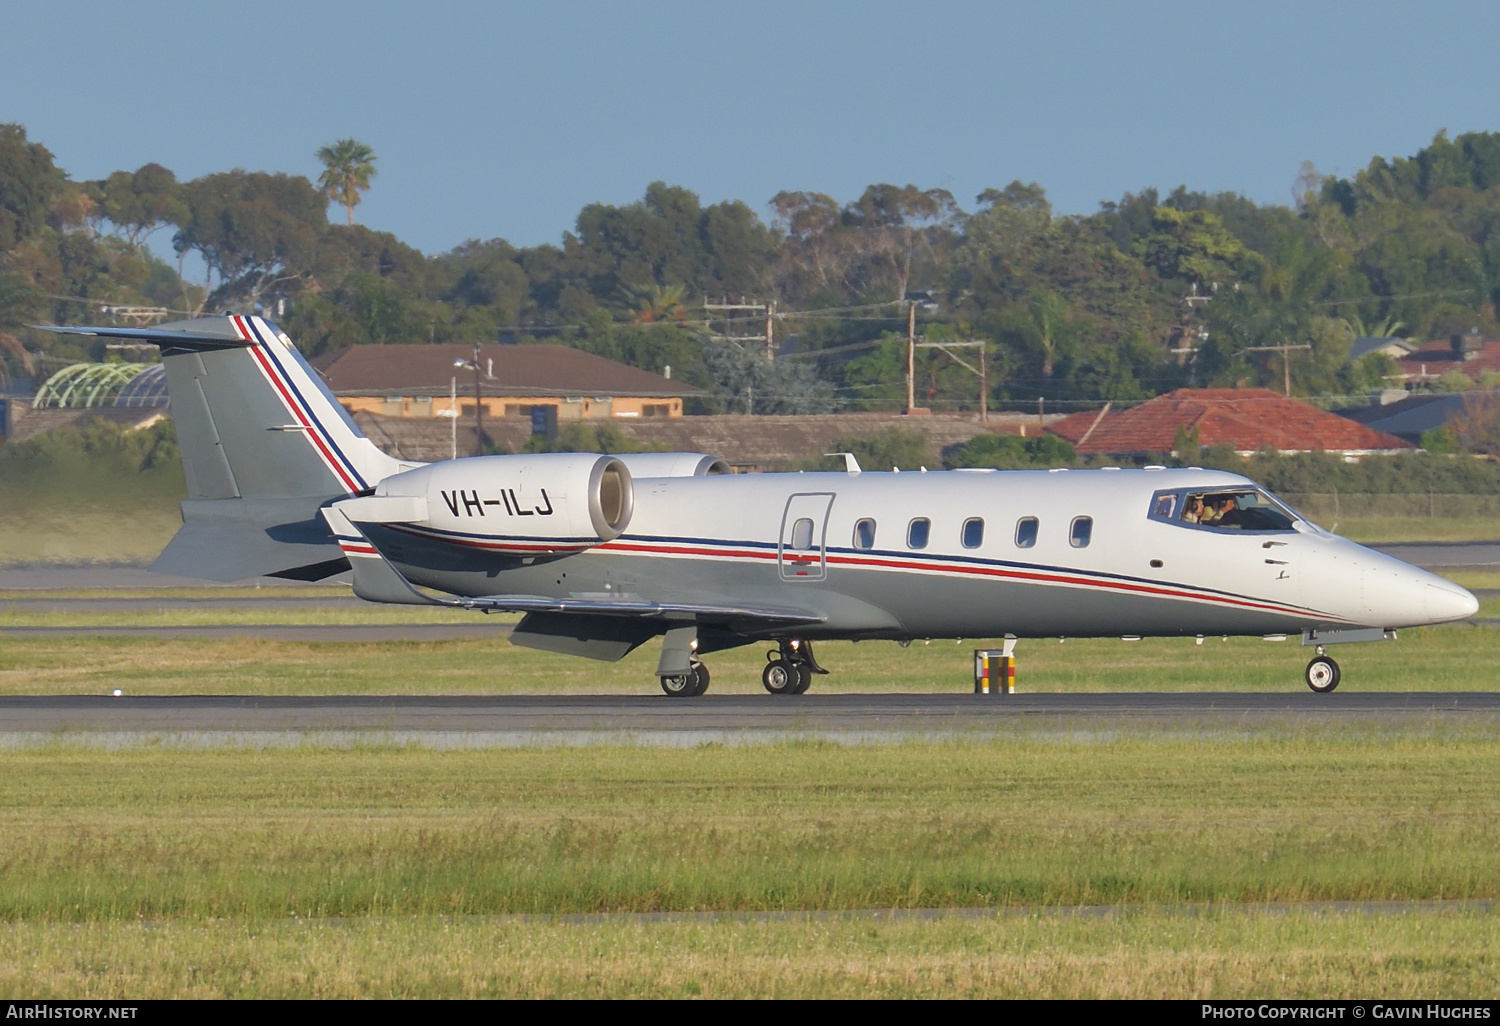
x,y
851,464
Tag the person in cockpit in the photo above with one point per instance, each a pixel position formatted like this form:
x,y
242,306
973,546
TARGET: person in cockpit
x,y
1194,512
1230,514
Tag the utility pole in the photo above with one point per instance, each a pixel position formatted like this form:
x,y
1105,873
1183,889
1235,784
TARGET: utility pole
x,y
479,446
981,370
733,312
1286,361
911,361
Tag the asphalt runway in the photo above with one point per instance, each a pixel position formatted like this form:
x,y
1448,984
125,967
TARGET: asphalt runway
x,y
1446,555
524,720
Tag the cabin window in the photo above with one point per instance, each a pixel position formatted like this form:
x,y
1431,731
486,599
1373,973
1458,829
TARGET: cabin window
x,y
802,534
864,534
973,534
1165,506
1026,532
917,532
1081,532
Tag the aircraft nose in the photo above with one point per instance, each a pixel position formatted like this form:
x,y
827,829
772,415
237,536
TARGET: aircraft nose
x,y
1447,601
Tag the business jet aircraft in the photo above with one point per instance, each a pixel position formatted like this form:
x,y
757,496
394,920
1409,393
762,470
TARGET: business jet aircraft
x,y
605,553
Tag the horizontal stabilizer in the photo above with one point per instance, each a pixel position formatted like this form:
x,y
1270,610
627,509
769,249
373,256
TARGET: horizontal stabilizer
x,y
202,334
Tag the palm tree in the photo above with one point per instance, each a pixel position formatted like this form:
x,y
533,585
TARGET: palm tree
x,y
349,165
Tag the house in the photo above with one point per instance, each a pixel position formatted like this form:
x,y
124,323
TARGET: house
x,y
421,380
1410,416
1390,345
1468,353
1247,418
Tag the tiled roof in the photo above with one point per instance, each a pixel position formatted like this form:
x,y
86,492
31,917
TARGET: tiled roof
x,y
1435,359
535,370
1246,418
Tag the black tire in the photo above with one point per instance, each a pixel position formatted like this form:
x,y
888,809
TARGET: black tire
x,y
780,677
700,679
804,678
1322,674
680,685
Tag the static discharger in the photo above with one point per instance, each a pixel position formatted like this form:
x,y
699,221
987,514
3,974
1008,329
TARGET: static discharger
x,y
994,672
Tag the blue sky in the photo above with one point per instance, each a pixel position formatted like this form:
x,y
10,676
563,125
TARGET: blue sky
x,y
496,119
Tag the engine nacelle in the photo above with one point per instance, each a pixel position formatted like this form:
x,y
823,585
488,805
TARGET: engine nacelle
x,y
543,503
673,464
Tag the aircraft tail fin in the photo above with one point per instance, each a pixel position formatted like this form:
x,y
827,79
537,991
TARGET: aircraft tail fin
x,y
264,445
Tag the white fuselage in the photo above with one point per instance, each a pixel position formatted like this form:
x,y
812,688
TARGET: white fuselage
x,y
736,538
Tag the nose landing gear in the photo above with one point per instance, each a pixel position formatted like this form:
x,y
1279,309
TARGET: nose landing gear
x,y
1322,673
789,669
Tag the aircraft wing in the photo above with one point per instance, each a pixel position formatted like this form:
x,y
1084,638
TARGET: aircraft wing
x,y
377,580
605,607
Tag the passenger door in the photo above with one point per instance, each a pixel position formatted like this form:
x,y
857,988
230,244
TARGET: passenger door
x,y
801,551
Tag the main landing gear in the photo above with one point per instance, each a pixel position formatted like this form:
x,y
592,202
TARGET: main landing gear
x,y
790,668
687,685
1322,673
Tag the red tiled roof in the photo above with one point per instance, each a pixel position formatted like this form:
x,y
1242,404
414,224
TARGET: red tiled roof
x,y
518,370
1247,418
1438,358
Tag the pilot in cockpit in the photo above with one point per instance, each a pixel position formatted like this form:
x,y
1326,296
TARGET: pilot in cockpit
x,y
1238,511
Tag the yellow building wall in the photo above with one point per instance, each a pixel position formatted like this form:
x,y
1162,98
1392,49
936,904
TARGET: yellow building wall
x,y
585,408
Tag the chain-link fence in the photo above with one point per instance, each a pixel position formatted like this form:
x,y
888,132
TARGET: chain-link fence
x,y
1322,506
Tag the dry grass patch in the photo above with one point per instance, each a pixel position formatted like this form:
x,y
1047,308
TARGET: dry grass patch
x,y
1229,954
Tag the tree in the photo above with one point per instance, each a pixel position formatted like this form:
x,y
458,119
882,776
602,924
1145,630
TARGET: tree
x,y
28,182
348,166
747,383
257,232
140,202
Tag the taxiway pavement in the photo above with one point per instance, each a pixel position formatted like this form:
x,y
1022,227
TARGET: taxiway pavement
x,y
526,720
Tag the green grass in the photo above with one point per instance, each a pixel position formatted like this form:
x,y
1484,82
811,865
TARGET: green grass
x,y
1147,954
1460,658
89,836
1391,530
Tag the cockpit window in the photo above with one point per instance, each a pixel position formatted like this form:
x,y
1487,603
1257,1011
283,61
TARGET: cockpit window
x,y
1237,509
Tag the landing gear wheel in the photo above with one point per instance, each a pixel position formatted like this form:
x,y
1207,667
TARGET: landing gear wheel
x,y
780,677
686,685
679,685
804,678
1322,674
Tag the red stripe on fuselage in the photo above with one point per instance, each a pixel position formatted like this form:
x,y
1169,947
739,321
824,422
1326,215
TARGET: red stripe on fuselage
x,y
1044,577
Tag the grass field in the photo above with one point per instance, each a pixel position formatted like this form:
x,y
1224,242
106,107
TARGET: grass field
x,y
166,872
398,872
1457,658
1140,954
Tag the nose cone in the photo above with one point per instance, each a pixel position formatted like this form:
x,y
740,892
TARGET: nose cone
x,y
1446,601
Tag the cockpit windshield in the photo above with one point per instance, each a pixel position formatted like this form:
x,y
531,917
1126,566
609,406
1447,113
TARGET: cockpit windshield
x,y
1231,509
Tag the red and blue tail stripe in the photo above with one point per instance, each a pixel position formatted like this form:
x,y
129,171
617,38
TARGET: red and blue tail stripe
x,y
273,366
